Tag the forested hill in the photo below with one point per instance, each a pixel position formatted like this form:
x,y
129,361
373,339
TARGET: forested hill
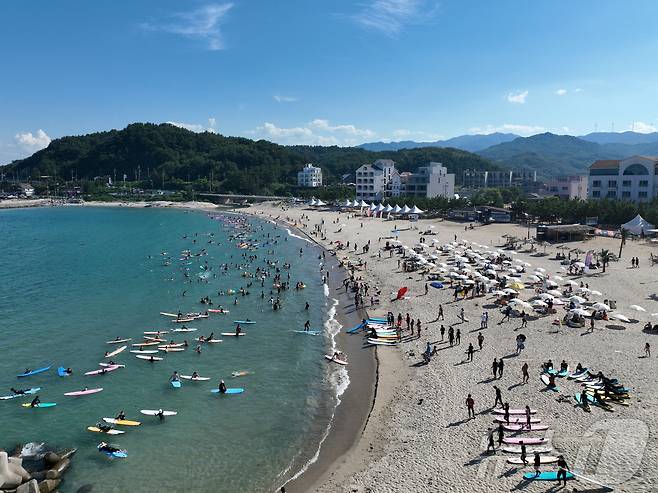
x,y
165,153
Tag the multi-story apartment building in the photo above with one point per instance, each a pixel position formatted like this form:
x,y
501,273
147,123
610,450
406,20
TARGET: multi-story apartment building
x,y
309,176
568,187
429,181
377,180
634,179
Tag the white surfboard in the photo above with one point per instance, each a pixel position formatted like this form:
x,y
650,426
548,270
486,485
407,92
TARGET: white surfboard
x,y
153,412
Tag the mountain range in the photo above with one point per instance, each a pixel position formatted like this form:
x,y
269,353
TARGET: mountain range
x,y
549,154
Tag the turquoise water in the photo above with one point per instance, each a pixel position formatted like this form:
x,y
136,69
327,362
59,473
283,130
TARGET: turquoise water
x,y
74,278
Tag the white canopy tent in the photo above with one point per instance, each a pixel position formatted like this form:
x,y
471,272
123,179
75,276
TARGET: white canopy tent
x,y
406,209
416,210
319,203
363,203
637,225
397,209
348,203
388,208
313,202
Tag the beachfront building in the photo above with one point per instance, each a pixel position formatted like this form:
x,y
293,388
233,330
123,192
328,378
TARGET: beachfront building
x,y
524,179
310,176
428,181
634,179
567,187
377,181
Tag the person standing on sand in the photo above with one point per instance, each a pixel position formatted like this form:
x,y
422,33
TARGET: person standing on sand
x,y
426,289
501,434
458,337
469,352
470,405
501,366
562,469
524,454
591,323
647,350
443,331
527,416
499,397
461,314
451,336
508,313
506,413
494,368
526,375
440,317
480,340
524,320
537,464
490,445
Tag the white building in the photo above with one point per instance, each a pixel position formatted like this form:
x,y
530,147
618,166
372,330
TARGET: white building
x,y
377,181
568,187
634,179
309,176
429,181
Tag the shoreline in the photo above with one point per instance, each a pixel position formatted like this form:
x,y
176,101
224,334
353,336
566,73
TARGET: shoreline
x,y
340,448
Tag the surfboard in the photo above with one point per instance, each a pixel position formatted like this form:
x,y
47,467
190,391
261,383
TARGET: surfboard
x,y
590,480
543,459
529,450
148,358
25,393
378,342
180,344
155,339
169,314
145,351
115,352
244,322
84,392
525,440
108,432
308,332
34,372
121,422
545,476
119,341
212,310
242,373
156,332
331,358
183,320
194,379
516,420
144,344
233,334
184,330
153,412
546,380
514,411
121,454
228,391
213,341
102,370
524,428
61,371
172,349
578,374
176,384
42,404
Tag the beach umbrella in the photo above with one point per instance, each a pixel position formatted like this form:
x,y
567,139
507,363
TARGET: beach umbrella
x,y
319,203
540,269
577,299
573,283
517,286
655,315
554,292
522,303
348,203
579,264
596,293
539,304
499,293
510,291
551,284
601,306
637,308
493,282
621,317
545,296
581,312
558,278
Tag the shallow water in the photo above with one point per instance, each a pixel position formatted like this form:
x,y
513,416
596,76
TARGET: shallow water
x,y
73,278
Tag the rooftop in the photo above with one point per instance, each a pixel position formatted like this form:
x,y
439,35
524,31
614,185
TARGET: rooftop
x,y
605,164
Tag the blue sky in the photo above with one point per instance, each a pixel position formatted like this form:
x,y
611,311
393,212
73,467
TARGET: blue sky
x,y
323,71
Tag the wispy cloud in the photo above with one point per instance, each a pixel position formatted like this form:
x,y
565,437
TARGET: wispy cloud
x,y
32,142
391,16
406,134
517,97
513,128
561,92
316,132
642,128
197,127
285,99
202,24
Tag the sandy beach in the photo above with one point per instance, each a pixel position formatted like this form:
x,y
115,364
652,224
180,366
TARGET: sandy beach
x,y
418,436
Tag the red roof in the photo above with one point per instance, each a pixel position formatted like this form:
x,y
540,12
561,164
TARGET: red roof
x,y
605,164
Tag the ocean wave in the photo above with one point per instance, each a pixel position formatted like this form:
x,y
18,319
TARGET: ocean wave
x,y
326,291
290,233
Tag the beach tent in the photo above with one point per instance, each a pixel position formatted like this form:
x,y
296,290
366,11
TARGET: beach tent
x,y
373,206
406,209
313,202
637,225
363,203
416,210
319,203
397,209
388,208
380,208
348,203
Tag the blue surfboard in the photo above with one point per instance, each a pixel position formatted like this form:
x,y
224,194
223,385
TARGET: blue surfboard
x,y
229,391
544,476
176,384
34,372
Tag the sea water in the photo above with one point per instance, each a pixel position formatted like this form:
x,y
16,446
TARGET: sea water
x,y
74,278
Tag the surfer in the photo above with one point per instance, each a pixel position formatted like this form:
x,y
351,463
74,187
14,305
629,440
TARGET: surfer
x,y
501,434
161,414
104,447
499,397
35,402
537,463
104,427
307,326
17,391
222,387
523,454
527,415
490,444
174,377
524,370
470,405
238,329
551,381
197,349
121,416
195,374
562,469
583,399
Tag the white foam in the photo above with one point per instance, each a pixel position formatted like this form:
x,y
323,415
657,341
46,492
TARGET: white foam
x,y
290,233
326,293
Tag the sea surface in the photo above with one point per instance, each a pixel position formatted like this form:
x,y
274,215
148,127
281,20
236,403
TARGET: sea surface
x,y
74,278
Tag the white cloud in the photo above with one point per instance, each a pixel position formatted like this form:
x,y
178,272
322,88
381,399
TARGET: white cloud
x,y
316,132
513,128
391,16
32,142
577,89
197,127
285,99
517,98
406,134
561,92
202,23
642,128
